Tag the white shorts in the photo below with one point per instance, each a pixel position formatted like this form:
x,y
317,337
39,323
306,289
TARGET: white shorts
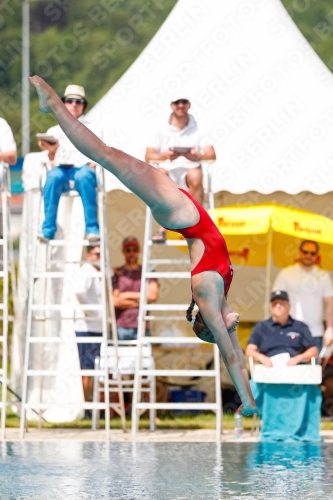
x,y
178,175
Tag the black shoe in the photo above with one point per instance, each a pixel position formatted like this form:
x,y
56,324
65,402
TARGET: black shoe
x,y
88,414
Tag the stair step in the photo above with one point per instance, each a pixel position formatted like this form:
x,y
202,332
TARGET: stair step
x,y
171,340
166,274
177,406
53,373
169,243
61,274
157,262
61,307
165,318
178,373
86,406
60,340
66,243
166,307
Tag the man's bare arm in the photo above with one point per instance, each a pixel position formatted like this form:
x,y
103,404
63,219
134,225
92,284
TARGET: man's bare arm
x,y
154,155
152,292
125,300
305,357
328,306
253,352
129,300
9,157
207,155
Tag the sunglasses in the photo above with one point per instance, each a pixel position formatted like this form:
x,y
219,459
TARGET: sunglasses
x,y
306,252
181,101
131,249
76,101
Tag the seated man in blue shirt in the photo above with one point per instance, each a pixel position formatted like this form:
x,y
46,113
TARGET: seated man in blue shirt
x,y
281,334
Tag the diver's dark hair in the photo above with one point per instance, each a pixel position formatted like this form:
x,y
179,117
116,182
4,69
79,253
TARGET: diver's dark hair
x,y
190,310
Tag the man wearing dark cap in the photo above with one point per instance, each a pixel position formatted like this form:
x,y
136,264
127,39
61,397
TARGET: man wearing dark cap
x,y
281,334
72,170
126,284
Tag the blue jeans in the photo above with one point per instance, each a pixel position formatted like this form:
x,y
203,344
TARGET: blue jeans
x,y
319,344
129,333
88,352
57,182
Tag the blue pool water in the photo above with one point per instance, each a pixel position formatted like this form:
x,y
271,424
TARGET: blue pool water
x,y
165,471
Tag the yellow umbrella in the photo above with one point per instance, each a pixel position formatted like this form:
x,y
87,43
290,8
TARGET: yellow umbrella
x,y
253,232
256,232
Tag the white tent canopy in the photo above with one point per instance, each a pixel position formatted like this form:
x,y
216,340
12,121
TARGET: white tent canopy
x,y
258,90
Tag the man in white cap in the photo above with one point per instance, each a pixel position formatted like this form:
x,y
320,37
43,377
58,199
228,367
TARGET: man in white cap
x,y
73,170
180,149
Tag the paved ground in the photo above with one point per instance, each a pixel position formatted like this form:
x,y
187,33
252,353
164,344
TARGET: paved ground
x,y
118,435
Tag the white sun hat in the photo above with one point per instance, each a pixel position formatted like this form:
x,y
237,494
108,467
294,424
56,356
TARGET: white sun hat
x,y
75,91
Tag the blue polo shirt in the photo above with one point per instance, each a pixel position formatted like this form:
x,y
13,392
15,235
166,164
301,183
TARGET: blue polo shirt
x,y
273,338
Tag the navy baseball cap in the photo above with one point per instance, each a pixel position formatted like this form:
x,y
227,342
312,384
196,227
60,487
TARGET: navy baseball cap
x,y
279,294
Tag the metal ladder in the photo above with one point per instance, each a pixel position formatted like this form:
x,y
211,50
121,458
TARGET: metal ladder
x,y
7,263
148,264
39,313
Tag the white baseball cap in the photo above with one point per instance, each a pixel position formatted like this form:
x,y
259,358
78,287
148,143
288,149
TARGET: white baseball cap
x,y
75,91
180,95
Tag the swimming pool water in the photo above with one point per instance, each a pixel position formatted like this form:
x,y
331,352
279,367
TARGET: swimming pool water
x,y
164,471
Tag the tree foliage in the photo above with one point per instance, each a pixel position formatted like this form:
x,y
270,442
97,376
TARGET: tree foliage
x,y
92,43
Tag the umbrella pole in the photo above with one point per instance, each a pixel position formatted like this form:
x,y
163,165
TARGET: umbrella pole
x,y
268,272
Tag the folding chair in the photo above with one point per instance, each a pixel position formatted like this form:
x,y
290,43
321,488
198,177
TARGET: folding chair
x,y
126,361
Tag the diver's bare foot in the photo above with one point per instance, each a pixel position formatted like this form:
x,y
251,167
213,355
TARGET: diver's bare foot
x,y
45,93
231,321
248,410
229,316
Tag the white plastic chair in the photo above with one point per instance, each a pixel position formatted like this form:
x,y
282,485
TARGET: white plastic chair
x,y
127,358
306,374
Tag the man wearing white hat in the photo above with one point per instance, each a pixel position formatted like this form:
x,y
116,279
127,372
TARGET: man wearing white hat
x,y
180,148
73,170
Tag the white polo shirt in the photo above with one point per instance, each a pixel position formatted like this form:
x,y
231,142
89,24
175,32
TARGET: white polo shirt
x,y
88,290
306,290
7,141
67,152
170,137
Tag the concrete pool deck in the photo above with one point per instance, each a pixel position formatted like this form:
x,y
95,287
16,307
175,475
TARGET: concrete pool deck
x,y
169,435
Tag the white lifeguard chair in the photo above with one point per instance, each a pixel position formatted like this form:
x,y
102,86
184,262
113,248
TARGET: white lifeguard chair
x,y
43,311
169,310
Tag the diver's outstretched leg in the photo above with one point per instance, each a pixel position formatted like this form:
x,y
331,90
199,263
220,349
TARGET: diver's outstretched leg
x,y
208,293
170,207
231,319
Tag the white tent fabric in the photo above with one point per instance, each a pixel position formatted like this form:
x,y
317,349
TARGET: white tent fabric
x,y
67,385
258,90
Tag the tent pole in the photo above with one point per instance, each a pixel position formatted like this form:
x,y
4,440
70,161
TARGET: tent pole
x,y
268,272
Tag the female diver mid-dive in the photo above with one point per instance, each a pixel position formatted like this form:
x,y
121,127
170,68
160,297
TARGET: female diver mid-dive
x,y
176,210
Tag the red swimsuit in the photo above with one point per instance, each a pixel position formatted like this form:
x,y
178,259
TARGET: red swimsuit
x,y
215,256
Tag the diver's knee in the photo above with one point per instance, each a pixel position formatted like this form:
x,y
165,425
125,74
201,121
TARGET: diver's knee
x,y
231,359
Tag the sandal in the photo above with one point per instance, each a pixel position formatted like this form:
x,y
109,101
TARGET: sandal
x,y
159,237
